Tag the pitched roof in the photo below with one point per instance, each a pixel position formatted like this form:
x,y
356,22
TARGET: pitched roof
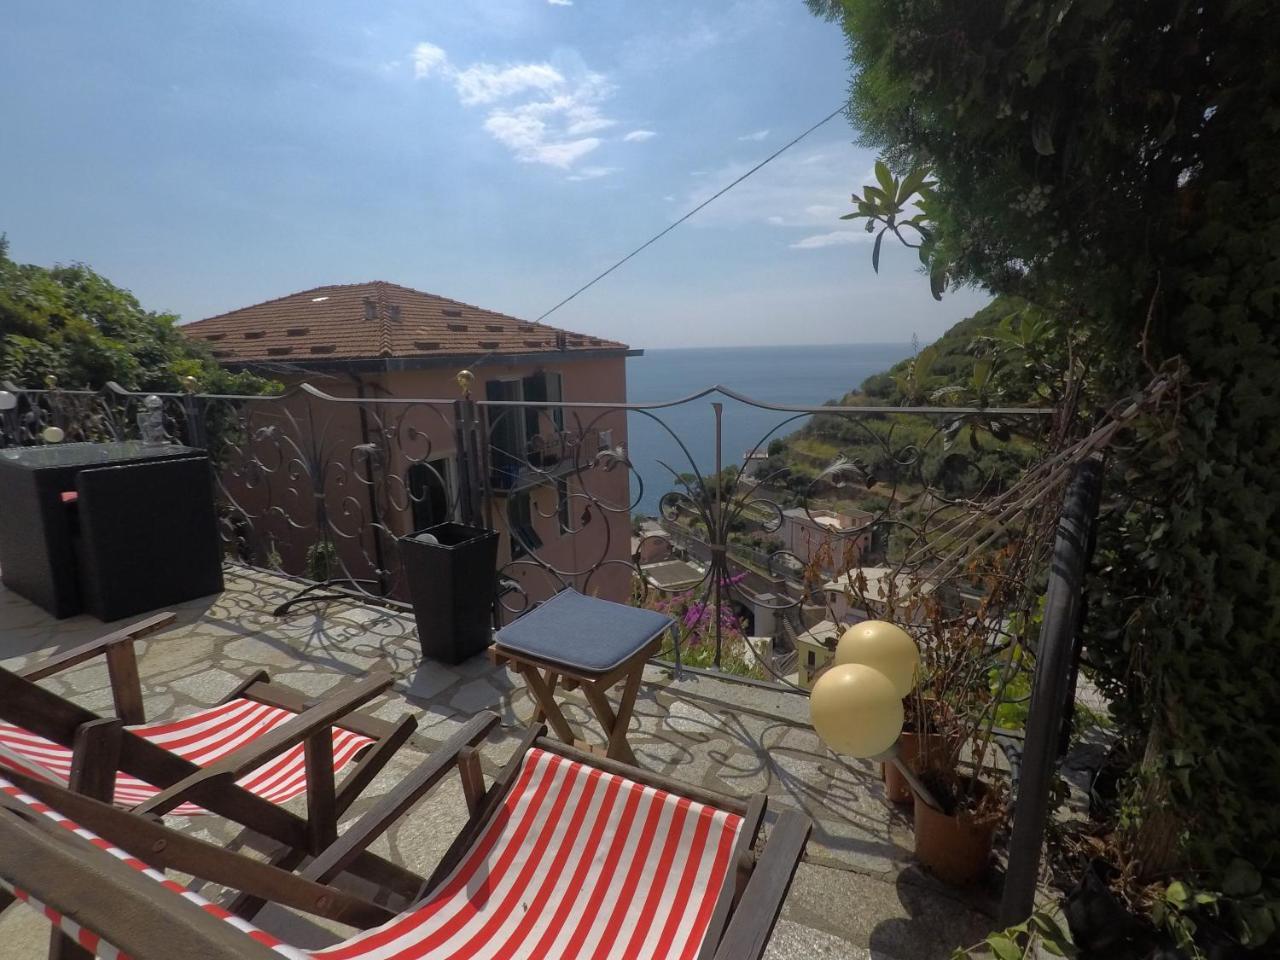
x,y
376,320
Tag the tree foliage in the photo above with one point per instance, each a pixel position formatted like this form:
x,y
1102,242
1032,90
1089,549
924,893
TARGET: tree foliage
x,y
70,323
1115,164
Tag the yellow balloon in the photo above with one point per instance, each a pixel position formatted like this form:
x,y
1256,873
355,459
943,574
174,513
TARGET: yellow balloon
x,y
884,646
856,710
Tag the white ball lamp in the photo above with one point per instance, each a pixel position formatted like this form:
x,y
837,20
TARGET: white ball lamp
x,y
884,646
856,706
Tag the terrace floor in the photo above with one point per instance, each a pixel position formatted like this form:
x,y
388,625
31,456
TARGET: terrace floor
x,y
856,896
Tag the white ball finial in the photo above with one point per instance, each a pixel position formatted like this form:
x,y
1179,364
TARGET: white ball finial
x,y
884,646
856,710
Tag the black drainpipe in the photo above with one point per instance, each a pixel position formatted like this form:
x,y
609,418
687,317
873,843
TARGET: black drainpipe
x,y
369,492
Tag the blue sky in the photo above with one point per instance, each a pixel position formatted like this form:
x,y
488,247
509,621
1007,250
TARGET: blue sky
x,y
212,155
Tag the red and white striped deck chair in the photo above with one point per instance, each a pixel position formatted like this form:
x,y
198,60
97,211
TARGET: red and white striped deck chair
x,y
204,737
561,858
262,747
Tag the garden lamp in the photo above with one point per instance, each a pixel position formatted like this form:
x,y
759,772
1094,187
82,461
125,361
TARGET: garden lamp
x,y
7,400
856,705
885,646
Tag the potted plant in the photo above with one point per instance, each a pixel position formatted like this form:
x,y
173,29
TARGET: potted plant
x,y
950,724
922,745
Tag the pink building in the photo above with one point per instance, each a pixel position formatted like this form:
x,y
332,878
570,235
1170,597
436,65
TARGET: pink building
x,y
368,467
834,541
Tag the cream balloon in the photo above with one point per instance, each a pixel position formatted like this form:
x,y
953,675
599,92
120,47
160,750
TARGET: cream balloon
x,y
884,646
52,435
856,710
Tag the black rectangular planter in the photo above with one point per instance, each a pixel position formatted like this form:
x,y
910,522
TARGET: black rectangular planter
x,y
451,583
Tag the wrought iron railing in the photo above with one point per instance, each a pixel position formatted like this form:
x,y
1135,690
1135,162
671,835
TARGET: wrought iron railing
x,y
322,487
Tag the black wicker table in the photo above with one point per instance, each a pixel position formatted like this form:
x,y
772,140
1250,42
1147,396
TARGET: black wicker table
x,y
58,501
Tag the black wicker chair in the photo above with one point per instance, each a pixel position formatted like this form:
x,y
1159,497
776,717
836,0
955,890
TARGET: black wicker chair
x,y
148,536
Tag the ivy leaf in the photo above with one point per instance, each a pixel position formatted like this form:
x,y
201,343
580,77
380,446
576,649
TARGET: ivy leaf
x,y
1259,925
1004,948
1176,893
1242,879
875,251
1042,134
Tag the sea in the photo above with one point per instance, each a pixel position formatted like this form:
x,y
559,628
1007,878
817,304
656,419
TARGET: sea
x,y
793,375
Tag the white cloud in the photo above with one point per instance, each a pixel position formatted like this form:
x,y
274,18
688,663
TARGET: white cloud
x,y
757,136
836,238
426,58
485,83
560,3
639,136
592,173
541,113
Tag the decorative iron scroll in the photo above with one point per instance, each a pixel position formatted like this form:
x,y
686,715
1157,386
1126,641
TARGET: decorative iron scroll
x,y
322,487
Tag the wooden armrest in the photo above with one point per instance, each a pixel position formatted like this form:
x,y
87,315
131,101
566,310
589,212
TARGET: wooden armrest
x,y
122,664
269,745
161,847
87,651
402,798
752,922
106,896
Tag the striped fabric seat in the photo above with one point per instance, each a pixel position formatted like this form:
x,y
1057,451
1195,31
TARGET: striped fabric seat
x,y
203,738
577,864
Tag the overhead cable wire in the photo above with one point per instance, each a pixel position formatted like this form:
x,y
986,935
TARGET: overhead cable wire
x,y
719,193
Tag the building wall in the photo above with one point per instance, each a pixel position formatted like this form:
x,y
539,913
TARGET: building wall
x,y
833,551
577,511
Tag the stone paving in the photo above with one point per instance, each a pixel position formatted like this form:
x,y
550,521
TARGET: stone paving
x,y
857,895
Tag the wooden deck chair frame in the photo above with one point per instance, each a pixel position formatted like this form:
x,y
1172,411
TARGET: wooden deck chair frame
x,y
746,908
101,746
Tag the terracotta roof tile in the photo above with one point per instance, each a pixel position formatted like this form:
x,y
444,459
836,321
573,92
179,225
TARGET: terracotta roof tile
x,y
363,321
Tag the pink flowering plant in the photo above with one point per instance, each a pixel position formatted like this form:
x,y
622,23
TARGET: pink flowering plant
x,y
696,614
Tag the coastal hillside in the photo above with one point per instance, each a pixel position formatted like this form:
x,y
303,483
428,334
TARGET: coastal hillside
x,y
874,461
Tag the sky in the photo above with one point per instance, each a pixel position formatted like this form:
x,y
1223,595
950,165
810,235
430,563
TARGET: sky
x,y
208,156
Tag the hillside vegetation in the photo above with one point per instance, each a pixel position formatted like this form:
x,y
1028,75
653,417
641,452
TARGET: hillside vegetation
x,y
870,461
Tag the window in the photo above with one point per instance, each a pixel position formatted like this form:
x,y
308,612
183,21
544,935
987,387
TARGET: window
x,y
429,486
524,539
539,388
506,433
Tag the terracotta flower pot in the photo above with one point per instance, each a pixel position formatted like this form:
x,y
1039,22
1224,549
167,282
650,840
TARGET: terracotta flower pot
x,y
896,788
955,848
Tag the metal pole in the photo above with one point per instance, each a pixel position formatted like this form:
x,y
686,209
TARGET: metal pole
x,y
894,755
1050,690
195,422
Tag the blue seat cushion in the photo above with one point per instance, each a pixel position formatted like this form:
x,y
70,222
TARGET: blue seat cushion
x,y
582,633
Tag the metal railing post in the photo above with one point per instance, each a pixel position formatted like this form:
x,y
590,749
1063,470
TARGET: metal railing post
x,y
196,435
1052,687
468,440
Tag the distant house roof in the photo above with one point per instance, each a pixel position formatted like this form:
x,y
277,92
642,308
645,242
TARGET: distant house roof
x,y
879,581
375,324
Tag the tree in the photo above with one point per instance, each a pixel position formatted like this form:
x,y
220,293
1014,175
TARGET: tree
x,y
1115,165
70,323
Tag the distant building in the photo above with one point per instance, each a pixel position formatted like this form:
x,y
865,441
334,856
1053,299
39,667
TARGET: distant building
x,y
850,603
383,341
753,462
815,649
834,540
